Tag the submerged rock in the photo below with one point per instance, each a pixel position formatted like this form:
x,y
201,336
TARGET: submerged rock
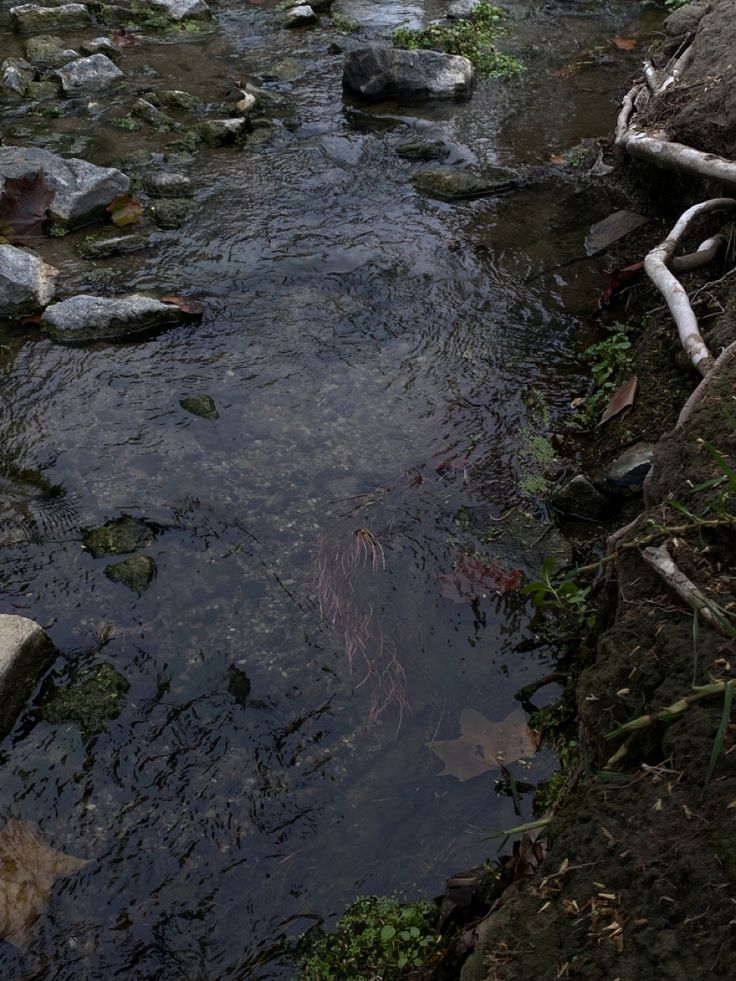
x,y
299,16
48,49
136,573
627,472
105,246
178,10
82,190
26,283
92,318
171,212
465,184
200,405
93,74
238,684
15,74
421,151
25,653
145,110
578,497
165,184
612,229
32,18
216,132
100,45
118,537
91,700
377,72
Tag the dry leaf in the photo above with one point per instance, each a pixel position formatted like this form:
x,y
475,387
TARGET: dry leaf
x,y
192,308
622,398
559,159
23,206
125,210
473,578
619,279
483,745
623,43
28,870
121,39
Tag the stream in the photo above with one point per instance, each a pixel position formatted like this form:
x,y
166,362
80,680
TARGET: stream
x,y
380,360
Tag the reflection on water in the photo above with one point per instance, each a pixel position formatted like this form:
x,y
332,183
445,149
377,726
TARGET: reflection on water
x,y
369,352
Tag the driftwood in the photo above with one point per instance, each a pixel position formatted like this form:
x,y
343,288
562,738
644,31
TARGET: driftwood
x,y
661,561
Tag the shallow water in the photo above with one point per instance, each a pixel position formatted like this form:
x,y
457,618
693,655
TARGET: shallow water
x,y
371,352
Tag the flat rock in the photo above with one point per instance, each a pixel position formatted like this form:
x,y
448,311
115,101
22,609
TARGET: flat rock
x,y
83,190
422,151
183,9
171,212
92,699
165,184
33,18
299,16
458,184
48,49
613,228
25,653
105,246
93,74
118,537
93,318
377,72
26,283
578,497
627,472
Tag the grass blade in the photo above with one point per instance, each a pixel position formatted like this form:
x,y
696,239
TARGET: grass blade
x,y
721,734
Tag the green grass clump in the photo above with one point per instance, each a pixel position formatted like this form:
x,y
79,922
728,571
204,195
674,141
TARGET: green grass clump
x,y
376,936
474,37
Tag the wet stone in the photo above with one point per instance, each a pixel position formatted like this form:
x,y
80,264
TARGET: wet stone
x,y
458,184
105,246
100,45
613,228
299,16
33,18
93,74
26,283
422,151
461,9
287,70
49,49
142,109
378,72
42,91
200,405
15,74
578,497
165,184
91,700
178,10
171,212
238,684
136,573
183,101
628,471
119,537
25,653
92,318
217,132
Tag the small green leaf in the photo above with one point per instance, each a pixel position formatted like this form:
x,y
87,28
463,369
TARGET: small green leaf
x,y
402,961
414,931
388,932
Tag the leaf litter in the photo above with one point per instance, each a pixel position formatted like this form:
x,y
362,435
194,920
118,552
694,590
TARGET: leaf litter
x,y
484,745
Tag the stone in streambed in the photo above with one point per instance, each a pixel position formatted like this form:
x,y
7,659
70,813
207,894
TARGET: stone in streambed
x,y
82,190
97,73
145,110
100,45
200,405
578,497
421,151
626,475
105,246
462,9
181,101
136,573
25,653
377,72
91,700
32,18
300,16
613,228
165,184
26,283
42,91
15,74
92,318
170,212
118,537
48,49
459,184
179,10
217,132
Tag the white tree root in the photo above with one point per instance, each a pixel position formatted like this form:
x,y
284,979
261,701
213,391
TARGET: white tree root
x,y
661,561
723,361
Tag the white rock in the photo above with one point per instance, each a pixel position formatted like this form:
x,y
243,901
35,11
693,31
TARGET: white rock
x,y
26,283
183,9
94,318
93,74
25,653
299,16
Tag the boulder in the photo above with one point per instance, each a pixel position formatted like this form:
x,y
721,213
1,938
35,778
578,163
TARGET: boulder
x,y
48,49
181,101
299,16
685,19
33,18
93,74
26,283
92,318
627,472
82,190
376,72
216,132
25,653
171,212
100,45
178,10
462,9
145,110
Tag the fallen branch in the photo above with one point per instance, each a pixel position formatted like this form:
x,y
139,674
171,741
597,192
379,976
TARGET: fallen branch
x,y
661,561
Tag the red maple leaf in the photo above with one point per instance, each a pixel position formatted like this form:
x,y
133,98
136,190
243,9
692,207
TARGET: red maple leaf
x,y
23,206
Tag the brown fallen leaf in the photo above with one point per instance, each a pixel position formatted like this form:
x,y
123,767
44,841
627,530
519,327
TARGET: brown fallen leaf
x,y
623,43
125,210
193,308
620,278
622,398
473,578
559,159
23,206
121,39
483,745
28,870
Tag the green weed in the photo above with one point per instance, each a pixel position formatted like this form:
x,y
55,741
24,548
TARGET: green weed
x,y
610,361
566,597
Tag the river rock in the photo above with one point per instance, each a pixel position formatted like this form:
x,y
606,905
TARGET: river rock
x,y
459,184
299,16
171,212
200,405
25,653
93,74
121,536
613,228
462,9
178,10
145,110
93,318
33,18
377,72
105,246
165,184
100,45
15,74
26,283
580,498
136,573
627,472
48,49
216,132
182,101
286,70
83,190
422,151
93,698
685,19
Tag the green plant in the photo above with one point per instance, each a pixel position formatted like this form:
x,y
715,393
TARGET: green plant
x,y
376,936
610,360
472,37
566,596
675,4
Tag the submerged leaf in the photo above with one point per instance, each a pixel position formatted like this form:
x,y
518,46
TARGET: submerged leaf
x,y
28,870
23,206
473,578
623,43
125,210
484,745
622,398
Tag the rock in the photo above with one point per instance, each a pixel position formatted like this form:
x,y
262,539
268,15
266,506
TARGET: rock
x,y
421,151
48,49
461,9
32,18
216,132
142,109
171,212
105,246
183,101
377,72
15,74
287,70
42,91
165,184
580,498
611,229
246,104
299,16
93,74
685,19
183,9
200,405
26,283
118,537
100,45
137,572
92,318
238,684
94,698
627,472
455,184
82,190
25,653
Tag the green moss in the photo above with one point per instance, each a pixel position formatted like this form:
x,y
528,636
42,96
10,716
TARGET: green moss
x,y
136,573
90,701
119,537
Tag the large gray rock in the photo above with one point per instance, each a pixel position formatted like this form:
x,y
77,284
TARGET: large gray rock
x,y
462,9
15,74
82,190
93,74
25,653
48,49
183,9
377,72
93,318
685,19
33,18
26,283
